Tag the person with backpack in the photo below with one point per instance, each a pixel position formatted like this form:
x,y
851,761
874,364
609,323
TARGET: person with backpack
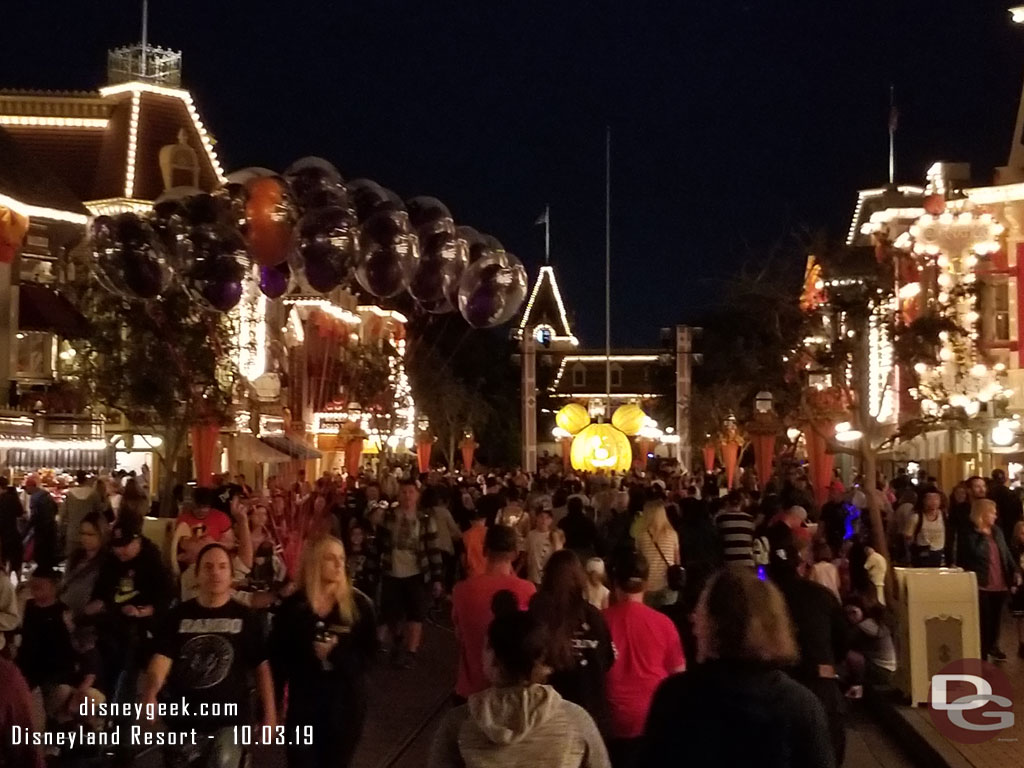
x,y
925,532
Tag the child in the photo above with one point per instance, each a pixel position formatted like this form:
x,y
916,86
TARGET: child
x,y
45,654
539,546
823,571
596,592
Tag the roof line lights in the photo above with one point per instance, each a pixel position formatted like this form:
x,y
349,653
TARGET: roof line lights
x,y
186,98
603,395
373,309
33,121
328,308
133,144
550,272
26,209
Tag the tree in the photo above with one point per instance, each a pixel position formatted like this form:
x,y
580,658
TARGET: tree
x,y
165,365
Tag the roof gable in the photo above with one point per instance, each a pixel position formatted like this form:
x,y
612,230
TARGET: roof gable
x,y
545,306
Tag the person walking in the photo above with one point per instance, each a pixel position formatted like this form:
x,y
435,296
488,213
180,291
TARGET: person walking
x,y
323,640
83,565
983,550
12,516
658,542
79,501
517,720
736,532
471,607
580,649
648,650
736,706
204,654
410,561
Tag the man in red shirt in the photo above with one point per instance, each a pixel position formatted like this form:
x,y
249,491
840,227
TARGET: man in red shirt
x,y
647,649
471,606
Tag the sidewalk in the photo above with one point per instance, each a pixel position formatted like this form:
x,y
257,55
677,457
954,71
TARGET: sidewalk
x,y
913,727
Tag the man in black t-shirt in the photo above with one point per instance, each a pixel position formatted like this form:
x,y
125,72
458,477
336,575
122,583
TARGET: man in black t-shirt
x,y
205,652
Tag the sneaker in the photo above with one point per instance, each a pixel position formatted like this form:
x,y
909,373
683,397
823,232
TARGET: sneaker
x,y
855,692
997,655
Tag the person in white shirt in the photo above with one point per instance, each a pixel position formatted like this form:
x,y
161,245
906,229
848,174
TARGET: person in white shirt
x,y
539,545
925,532
876,567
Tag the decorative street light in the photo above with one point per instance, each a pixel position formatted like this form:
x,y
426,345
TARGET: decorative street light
x,y
763,401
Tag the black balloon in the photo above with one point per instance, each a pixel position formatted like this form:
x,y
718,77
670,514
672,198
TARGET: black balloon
x,y
427,211
274,281
328,243
492,290
388,254
366,197
215,276
316,184
128,257
443,257
169,220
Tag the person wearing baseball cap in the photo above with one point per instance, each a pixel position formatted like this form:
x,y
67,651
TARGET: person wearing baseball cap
x,y
132,587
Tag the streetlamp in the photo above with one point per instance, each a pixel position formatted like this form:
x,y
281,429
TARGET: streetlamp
x,y
763,402
1017,14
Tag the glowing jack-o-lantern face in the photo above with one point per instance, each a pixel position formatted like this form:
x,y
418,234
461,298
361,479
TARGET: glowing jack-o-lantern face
x,y
601,447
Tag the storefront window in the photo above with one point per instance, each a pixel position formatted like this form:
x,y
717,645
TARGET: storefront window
x,y
35,355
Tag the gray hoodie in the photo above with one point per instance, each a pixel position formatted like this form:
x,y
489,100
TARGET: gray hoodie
x,y
515,726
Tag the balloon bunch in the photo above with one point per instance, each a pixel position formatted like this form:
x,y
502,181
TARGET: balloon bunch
x,y
307,230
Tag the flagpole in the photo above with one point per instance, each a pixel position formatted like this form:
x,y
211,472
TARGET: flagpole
x,y
892,134
608,270
547,234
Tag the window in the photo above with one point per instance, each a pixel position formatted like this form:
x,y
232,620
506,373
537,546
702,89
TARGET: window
x,y
1001,314
579,375
35,355
616,375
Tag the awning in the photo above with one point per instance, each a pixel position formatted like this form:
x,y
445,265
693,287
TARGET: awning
x,y
60,459
43,309
248,448
296,449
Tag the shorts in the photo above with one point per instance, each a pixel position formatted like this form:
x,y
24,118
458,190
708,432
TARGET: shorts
x,y
404,599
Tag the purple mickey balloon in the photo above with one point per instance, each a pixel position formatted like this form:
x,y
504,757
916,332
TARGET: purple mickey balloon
x,y
274,280
328,241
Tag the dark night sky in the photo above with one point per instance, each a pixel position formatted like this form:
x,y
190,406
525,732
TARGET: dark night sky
x,y
734,123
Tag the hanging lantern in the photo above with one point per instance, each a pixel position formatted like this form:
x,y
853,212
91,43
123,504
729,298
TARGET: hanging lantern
x,y
572,418
629,419
601,447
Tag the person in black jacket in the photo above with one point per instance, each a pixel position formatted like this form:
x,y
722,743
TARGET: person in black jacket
x,y
580,531
132,590
11,515
579,645
821,631
736,706
983,550
42,526
322,641
1008,503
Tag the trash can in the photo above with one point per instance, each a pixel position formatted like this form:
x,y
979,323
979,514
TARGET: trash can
x,y
937,617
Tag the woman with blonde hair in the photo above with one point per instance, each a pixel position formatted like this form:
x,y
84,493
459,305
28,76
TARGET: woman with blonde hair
x,y
323,639
744,640
982,549
657,541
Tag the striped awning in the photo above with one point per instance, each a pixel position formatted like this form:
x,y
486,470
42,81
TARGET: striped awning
x,y
295,448
60,459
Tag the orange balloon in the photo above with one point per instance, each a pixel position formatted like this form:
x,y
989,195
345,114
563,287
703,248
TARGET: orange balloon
x,y
270,219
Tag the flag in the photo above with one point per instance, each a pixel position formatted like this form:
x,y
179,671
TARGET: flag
x,y
544,218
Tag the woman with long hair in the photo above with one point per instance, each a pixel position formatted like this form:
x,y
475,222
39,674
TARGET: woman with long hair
x,y
579,645
518,720
322,641
657,541
737,706
83,564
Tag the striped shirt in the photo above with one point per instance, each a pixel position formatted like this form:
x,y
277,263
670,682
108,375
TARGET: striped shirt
x,y
736,531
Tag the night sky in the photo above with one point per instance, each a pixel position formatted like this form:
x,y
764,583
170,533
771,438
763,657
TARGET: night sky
x,y
734,123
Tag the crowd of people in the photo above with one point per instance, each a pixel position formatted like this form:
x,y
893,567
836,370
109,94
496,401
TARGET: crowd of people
x,y
600,621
